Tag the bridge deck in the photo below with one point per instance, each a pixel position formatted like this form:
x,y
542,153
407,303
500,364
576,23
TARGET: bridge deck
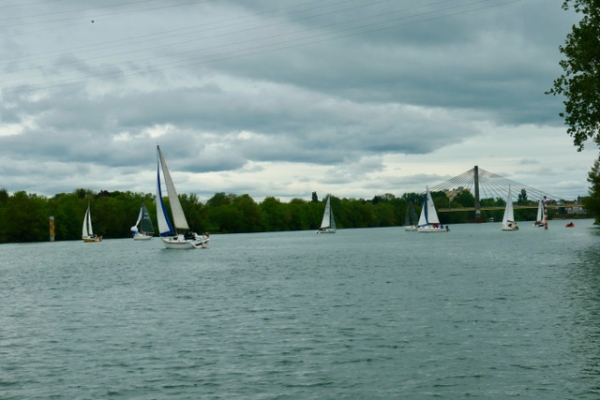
x,y
516,207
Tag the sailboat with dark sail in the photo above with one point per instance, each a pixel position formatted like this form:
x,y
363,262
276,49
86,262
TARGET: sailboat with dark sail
x,y
143,229
410,224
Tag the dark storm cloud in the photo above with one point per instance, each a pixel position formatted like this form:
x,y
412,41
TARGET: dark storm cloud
x,y
440,59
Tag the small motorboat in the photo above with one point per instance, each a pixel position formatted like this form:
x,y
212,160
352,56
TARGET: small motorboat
x,y
570,225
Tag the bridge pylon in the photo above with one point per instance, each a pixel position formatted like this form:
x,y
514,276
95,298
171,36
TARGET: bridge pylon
x,y
487,185
476,184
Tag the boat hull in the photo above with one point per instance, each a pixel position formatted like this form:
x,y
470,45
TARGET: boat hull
x,y
141,236
92,239
410,228
327,230
181,243
511,226
432,229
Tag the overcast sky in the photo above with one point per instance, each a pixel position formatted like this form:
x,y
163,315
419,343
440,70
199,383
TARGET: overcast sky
x,y
283,97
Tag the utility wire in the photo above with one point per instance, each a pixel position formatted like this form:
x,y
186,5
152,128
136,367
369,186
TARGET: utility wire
x,y
287,44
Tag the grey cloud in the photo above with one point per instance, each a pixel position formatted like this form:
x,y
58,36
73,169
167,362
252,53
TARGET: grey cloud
x,y
204,83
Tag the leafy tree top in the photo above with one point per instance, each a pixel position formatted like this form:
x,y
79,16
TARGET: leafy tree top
x,y
580,83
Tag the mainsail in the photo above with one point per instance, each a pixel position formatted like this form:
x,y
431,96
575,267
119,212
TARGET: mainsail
x,y
508,212
87,230
328,221
332,221
411,215
145,221
164,225
428,214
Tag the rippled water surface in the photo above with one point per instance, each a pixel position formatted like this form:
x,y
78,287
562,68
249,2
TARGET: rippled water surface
x,y
362,314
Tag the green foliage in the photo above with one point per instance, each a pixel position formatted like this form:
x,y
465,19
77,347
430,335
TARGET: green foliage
x,y
465,198
580,83
194,211
592,202
25,217
219,199
385,215
3,196
276,217
522,198
415,198
301,214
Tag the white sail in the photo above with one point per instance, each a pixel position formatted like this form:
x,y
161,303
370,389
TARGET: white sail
x,y
326,222
134,228
178,216
89,216
540,211
170,237
428,213
429,221
85,232
139,217
508,212
432,216
164,225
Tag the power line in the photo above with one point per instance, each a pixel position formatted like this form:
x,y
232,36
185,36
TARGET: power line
x,y
99,15
132,41
280,45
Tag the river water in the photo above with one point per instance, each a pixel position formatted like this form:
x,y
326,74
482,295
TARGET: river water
x,y
362,314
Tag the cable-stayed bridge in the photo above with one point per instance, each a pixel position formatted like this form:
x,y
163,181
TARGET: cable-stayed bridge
x,y
486,185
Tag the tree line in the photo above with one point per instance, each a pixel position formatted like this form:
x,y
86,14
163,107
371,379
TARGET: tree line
x,y
25,217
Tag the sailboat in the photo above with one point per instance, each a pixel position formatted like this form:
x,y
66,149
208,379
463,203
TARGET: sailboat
x,y
539,219
145,230
169,233
328,222
428,220
508,221
87,232
410,224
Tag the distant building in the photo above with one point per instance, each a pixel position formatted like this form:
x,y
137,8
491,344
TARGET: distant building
x,y
575,207
451,193
576,210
